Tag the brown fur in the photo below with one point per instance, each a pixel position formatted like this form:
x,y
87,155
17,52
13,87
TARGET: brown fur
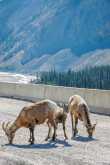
x,y
32,115
78,109
60,118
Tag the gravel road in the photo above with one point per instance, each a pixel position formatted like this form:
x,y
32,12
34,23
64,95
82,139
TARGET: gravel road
x,y
80,151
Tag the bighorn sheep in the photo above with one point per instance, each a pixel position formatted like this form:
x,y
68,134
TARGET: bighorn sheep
x,y
32,115
78,109
60,118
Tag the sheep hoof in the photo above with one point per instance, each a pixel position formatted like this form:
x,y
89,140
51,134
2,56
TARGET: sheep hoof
x,y
73,137
75,133
31,142
46,139
53,139
66,138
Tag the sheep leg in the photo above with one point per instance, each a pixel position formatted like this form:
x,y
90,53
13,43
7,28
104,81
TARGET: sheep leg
x,y
76,130
64,130
30,135
31,140
54,134
72,122
49,131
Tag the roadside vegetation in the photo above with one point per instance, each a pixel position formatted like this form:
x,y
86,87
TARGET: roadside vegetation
x,y
96,78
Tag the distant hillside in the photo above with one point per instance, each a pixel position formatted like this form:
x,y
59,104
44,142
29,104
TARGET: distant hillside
x,y
37,35
91,59
61,61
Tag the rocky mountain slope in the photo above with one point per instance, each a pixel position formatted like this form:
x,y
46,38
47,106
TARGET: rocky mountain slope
x,y
91,59
35,34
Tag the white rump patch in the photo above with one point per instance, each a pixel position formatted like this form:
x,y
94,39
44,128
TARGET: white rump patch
x,y
52,104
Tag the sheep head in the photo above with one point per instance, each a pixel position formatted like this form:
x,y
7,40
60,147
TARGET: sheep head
x,y
10,133
91,130
64,106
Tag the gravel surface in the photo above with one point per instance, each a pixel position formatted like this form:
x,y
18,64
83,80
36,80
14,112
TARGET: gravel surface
x,y
80,151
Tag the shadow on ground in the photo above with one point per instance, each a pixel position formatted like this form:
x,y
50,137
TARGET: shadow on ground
x,y
49,145
84,139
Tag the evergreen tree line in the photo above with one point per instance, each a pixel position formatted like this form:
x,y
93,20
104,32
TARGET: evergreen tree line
x,y
96,78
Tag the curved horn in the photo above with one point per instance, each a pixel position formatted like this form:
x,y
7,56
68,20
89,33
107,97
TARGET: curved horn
x,y
3,126
7,124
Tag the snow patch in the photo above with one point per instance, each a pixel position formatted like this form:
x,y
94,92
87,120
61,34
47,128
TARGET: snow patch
x,y
16,78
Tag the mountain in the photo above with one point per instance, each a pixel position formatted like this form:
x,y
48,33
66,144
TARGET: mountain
x,y
61,61
38,35
91,59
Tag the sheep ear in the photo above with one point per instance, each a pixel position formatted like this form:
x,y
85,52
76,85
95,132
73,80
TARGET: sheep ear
x,y
65,106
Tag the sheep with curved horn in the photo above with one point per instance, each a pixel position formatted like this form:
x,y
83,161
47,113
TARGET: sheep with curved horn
x,y
35,114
